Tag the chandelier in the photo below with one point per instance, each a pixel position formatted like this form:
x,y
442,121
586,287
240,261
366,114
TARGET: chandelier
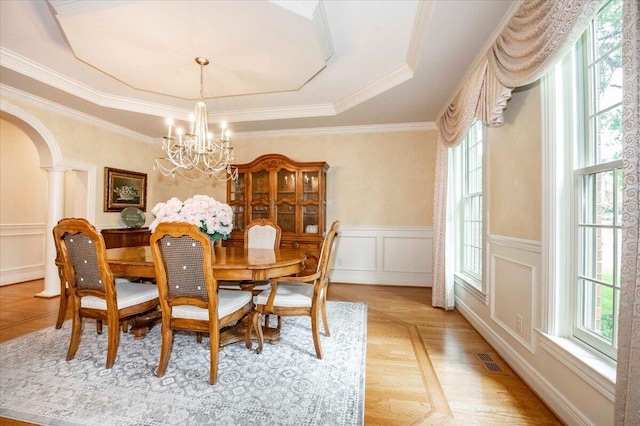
x,y
197,155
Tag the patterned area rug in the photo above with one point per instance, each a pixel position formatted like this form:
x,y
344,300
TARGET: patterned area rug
x,y
284,385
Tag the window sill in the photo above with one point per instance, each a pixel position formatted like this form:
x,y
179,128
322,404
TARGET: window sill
x,y
471,286
596,369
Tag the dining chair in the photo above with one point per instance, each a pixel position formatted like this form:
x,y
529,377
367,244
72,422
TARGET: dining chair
x,y
189,296
297,296
259,234
85,272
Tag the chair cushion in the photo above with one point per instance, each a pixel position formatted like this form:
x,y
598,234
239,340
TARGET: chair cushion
x,y
229,301
288,295
127,294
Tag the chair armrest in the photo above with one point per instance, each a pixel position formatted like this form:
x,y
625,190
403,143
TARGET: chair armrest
x,y
303,279
307,279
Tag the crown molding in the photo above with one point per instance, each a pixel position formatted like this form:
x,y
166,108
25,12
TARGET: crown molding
x,y
71,7
18,95
419,32
55,79
298,111
399,75
374,128
304,8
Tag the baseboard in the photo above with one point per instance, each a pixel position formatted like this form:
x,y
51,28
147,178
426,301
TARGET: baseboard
x,y
18,275
562,407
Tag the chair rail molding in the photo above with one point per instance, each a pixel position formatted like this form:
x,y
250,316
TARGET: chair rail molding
x,y
384,255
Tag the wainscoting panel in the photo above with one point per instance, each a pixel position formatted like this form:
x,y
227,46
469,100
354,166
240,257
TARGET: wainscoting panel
x,y
391,256
22,252
513,277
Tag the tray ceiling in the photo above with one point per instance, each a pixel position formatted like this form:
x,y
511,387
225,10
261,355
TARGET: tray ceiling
x,y
274,64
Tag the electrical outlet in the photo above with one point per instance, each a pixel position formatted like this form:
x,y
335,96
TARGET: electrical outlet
x,y
519,323
339,261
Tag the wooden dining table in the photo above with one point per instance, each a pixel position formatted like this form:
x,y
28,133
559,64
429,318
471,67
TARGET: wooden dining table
x,y
229,264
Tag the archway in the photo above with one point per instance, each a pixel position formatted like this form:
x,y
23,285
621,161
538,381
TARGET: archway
x,y
51,160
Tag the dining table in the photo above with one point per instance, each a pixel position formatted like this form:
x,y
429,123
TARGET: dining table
x,y
229,264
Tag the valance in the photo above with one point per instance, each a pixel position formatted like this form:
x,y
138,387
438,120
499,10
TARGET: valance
x,y
537,35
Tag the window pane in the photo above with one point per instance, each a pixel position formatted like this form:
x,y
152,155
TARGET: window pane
x,y
609,136
598,309
588,211
608,28
618,254
604,255
604,198
609,81
618,182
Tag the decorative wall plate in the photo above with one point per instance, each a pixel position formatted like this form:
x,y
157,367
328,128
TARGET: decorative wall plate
x,y
133,217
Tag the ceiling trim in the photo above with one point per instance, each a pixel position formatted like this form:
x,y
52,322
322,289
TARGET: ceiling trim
x,y
12,93
74,114
373,128
400,75
304,8
297,111
72,7
419,32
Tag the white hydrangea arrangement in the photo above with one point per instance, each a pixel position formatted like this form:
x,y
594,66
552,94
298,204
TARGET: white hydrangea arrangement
x,y
212,217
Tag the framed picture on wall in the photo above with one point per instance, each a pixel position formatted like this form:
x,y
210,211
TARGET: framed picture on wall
x,y
124,189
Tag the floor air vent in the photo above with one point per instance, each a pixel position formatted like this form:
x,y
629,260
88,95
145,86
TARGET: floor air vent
x,y
490,364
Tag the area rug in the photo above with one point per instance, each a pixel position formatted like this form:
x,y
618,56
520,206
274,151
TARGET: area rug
x,y
284,385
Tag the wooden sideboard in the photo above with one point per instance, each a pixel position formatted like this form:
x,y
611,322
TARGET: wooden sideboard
x,y
126,237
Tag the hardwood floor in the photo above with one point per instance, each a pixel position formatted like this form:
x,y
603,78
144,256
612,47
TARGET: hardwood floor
x,y
423,364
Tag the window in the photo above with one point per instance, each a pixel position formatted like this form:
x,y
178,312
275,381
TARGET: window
x,y
468,161
598,178
584,177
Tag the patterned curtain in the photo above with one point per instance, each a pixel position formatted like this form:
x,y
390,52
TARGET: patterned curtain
x,y
538,34
627,410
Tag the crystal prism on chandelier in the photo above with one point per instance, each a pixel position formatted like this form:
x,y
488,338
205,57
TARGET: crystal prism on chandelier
x,y
197,151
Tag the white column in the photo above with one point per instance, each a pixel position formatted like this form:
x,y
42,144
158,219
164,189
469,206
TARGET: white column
x,y
55,210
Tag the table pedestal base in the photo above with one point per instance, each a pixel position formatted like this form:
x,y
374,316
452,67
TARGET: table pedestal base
x,y
238,333
141,324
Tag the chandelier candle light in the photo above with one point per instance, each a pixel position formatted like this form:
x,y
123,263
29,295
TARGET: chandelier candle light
x,y
197,150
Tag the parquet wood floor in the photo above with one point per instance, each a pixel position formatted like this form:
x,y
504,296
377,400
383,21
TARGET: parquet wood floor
x,y
422,363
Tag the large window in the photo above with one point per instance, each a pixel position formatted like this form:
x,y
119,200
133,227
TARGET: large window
x,y
598,178
468,160
585,184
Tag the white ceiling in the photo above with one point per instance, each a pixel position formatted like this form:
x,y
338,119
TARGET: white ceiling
x,y
274,64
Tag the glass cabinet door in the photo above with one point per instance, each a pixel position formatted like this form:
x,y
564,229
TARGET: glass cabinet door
x,y
286,200
238,217
260,195
260,186
286,185
310,186
286,217
237,188
310,199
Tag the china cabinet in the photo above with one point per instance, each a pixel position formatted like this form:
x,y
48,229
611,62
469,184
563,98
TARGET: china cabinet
x,y
290,193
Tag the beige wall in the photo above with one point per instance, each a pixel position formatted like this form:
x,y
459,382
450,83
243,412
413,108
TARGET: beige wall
x,y
375,179
514,166
23,185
